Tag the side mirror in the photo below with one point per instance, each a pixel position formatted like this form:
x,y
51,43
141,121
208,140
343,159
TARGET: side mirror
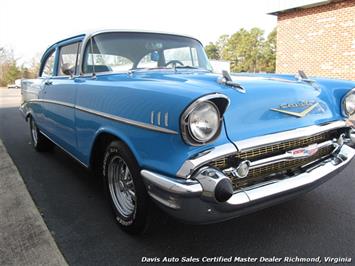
x,y
67,69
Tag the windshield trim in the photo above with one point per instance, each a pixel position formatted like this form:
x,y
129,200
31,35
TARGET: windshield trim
x,y
132,71
89,36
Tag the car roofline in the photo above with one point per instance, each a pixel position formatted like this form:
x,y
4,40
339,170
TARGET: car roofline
x,y
89,34
97,32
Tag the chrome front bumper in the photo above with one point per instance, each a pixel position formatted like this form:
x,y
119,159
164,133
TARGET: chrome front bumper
x,y
190,200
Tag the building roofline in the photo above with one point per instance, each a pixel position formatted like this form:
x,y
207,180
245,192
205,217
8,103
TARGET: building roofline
x,y
295,6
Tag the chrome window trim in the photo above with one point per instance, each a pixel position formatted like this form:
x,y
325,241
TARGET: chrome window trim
x,y
95,33
78,53
343,109
109,116
190,165
48,54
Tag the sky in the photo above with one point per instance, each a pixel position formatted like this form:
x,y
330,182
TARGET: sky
x,y
29,27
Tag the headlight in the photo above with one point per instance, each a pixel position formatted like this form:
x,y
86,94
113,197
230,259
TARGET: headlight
x,y
204,122
349,103
201,121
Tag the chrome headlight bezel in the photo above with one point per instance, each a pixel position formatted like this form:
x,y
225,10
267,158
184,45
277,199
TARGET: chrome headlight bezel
x,y
219,102
346,112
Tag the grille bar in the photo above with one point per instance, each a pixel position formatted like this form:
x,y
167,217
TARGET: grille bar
x,y
259,174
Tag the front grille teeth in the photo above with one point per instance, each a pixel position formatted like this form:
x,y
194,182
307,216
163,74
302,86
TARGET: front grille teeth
x,y
264,172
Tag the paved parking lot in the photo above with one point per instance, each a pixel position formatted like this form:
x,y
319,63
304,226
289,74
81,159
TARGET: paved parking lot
x,y
320,223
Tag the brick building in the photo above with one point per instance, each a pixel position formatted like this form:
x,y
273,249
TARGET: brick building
x,y
317,37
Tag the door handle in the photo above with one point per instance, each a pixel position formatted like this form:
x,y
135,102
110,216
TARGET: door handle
x,y
48,82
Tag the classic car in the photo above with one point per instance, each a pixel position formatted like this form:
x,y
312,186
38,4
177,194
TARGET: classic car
x,y
146,113
16,85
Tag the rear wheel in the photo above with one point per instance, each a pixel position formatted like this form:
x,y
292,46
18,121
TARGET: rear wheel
x,y
39,141
125,188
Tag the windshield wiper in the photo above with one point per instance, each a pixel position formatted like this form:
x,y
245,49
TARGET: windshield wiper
x,y
190,67
147,68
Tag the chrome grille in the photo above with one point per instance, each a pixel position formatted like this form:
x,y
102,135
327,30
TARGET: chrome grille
x,y
258,174
264,171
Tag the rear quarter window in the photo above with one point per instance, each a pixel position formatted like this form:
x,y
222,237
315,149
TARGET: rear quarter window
x,y
48,67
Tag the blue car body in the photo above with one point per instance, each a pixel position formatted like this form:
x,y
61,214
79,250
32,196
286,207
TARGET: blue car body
x,y
144,109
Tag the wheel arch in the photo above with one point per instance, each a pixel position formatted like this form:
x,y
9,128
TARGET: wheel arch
x,y
27,115
102,138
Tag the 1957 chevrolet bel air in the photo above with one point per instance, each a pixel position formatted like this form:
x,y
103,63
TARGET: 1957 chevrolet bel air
x,y
148,115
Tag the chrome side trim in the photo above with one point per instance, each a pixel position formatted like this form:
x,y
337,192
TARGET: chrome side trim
x,y
158,118
67,152
166,119
127,121
152,117
53,102
192,164
111,117
252,143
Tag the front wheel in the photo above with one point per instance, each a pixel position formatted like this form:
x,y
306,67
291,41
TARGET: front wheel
x,y
39,141
125,188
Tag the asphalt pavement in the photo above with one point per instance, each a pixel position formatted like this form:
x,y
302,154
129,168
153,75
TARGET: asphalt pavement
x,y
319,223
24,237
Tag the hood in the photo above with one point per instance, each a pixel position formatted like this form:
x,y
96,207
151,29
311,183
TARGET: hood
x,y
250,114
253,113
274,105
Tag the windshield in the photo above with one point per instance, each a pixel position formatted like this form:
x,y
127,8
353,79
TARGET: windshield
x,y
124,51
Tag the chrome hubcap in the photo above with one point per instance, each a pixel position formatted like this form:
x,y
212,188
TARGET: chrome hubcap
x,y
121,186
34,132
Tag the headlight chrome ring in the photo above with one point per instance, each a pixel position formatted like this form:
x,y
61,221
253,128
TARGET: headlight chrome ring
x,y
348,103
201,121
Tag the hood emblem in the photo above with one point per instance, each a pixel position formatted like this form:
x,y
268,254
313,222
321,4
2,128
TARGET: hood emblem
x,y
309,105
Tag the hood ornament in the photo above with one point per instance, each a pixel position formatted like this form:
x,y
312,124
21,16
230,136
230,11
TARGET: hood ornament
x,y
226,79
309,107
302,77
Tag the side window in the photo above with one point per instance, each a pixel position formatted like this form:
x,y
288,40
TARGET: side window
x,y
48,67
103,57
68,58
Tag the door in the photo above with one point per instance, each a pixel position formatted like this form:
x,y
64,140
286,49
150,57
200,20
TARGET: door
x,y
36,90
59,96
